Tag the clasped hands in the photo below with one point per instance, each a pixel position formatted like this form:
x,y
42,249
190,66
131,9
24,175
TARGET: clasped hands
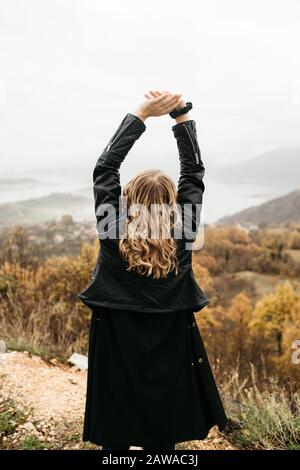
x,y
159,103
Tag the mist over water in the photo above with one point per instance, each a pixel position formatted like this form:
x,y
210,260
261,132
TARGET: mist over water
x,y
220,198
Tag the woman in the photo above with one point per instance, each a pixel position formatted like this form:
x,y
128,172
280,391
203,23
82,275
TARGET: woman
x,y
149,379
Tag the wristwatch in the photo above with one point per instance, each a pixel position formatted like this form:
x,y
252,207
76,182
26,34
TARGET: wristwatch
x,y
179,112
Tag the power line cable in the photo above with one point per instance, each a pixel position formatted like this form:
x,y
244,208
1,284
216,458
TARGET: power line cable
x,y
106,92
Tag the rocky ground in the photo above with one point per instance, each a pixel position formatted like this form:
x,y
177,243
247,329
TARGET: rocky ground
x,y
42,406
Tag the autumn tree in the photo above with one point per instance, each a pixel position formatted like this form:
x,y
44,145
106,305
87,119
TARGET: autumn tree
x,y
240,314
272,313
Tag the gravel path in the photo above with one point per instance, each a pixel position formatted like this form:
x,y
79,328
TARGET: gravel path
x,y
54,395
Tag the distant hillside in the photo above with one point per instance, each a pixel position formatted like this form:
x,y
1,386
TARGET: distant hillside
x,y
45,208
277,211
279,165
11,182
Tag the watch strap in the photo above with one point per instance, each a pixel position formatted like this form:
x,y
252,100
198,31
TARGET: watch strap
x,y
178,112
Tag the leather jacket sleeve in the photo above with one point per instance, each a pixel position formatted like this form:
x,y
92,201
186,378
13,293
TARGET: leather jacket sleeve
x,y
106,176
190,185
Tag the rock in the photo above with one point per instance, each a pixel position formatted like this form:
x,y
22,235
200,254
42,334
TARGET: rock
x,y
2,347
29,426
74,382
79,361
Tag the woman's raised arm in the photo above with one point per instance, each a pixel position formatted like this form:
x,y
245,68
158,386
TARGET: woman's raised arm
x,y
190,185
106,175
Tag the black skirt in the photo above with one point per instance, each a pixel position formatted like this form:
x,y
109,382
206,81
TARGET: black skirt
x,y
149,380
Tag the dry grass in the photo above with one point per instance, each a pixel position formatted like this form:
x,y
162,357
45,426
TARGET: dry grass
x,y
265,416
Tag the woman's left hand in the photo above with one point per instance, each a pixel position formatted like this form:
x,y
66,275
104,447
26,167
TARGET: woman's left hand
x,y
157,105
152,94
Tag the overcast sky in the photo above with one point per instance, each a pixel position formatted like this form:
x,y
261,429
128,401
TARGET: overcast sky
x,y
71,69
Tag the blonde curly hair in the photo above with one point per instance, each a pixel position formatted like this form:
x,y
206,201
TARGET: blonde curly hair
x,y
145,254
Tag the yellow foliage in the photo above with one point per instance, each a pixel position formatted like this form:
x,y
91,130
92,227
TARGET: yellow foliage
x,y
274,312
203,277
40,305
240,310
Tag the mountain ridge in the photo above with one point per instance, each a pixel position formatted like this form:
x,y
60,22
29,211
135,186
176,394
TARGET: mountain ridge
x,y
280,210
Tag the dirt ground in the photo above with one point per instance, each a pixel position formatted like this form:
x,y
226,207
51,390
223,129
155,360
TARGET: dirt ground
x,y
52,399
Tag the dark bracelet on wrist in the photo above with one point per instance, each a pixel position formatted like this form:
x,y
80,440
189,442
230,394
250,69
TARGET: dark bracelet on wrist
x,y
178,112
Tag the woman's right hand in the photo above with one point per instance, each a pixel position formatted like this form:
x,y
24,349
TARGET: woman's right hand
x,y
154,94
181,104
158,105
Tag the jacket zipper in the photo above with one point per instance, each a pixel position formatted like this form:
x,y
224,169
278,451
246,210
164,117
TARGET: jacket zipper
x,y
192,142
118,134
115,133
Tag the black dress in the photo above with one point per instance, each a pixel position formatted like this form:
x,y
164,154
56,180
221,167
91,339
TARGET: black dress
x,y
149,380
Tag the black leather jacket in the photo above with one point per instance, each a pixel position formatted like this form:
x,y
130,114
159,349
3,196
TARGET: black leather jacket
x,y
112,285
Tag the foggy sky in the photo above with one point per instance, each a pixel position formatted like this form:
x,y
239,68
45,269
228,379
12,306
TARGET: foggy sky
x,y
71,69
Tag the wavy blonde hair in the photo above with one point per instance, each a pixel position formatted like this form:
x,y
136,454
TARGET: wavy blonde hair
x,y
155,257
